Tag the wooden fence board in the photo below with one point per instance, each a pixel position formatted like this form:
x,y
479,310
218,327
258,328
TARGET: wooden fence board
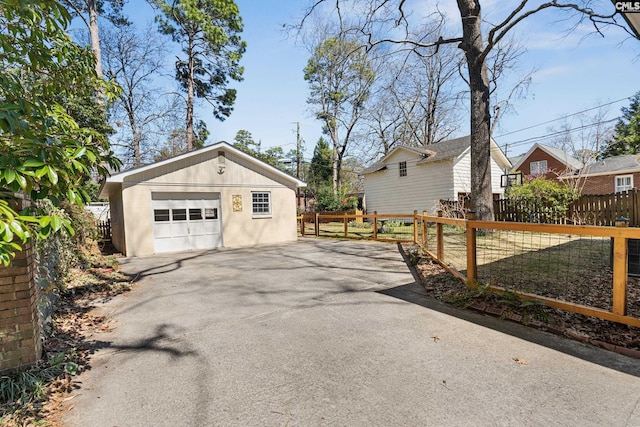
x,y
601,210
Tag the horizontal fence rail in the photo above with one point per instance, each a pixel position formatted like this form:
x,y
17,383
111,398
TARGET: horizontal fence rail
x,y
577,268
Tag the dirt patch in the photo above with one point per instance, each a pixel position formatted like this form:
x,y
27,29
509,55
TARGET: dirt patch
x,y
441,285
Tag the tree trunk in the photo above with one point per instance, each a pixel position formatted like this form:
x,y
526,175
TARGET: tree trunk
x,y
473,46
94,34
190,97
135,134
334,165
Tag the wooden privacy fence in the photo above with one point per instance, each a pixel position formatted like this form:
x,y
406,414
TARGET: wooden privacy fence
x,y
596,209
444,239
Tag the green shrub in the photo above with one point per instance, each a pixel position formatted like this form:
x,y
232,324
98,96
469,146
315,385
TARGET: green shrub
x,y
326,201
542,200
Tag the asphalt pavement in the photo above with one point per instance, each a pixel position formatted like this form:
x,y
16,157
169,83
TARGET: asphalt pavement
x,y
330,333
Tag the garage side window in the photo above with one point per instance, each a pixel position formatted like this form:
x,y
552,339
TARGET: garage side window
x,y
161,215
261,203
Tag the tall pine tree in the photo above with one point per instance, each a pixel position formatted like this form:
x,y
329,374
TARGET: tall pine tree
x,y
626,139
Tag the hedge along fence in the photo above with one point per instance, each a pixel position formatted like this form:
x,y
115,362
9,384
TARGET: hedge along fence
x,y
582,269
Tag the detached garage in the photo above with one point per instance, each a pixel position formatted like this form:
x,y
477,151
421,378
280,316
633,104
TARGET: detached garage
x,y
212,197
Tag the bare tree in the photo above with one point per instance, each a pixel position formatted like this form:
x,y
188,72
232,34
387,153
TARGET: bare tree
x,y
387,21
504,60
583,135
89,11
135,59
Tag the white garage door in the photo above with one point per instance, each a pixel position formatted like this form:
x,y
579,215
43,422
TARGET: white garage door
x,y
185,221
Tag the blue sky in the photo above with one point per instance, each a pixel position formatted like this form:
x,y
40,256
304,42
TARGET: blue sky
x,y
576,71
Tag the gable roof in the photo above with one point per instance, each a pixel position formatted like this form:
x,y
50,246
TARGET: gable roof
x,y
381,164
556,153
121,176
626,163
450,149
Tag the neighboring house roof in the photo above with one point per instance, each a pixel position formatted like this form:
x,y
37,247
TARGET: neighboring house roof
x,y
626,163
451,149
516,159
556,153
120,177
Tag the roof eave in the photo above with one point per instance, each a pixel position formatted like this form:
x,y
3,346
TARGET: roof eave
x,y
119,178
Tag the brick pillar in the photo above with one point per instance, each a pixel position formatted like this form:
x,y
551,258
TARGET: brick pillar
x,y
19,322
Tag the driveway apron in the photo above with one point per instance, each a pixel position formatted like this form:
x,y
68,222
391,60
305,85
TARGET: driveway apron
x,y
309,334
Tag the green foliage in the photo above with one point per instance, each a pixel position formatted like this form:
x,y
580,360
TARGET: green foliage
x,y
543,197
244,142
626,139
326,201
208,32
321,170
21,390
340,77
109,9
44,151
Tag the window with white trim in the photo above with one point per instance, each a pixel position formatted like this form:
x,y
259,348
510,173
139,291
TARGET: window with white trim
x,y
261,203
403,168
538,168
623,183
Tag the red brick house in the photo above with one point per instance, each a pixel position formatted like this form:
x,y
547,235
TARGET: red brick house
x,y
548,162
606,176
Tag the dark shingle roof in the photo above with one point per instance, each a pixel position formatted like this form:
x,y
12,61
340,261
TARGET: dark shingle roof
x,y
450,149
626,162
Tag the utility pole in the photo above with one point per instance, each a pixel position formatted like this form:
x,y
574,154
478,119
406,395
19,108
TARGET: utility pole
x,y
298,148
298,144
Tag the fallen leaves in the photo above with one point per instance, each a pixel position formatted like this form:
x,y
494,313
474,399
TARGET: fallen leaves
x,y
520,361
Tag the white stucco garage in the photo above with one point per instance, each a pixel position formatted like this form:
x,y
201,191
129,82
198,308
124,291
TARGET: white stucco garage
x,y
215,196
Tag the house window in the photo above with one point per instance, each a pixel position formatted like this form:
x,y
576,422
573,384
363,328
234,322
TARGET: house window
x,y
179,214
211,213
195,214
261,203
161,215
538,168
624,183
403,168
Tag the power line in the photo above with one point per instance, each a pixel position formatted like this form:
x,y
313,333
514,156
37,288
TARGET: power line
x,y
554,134
562,118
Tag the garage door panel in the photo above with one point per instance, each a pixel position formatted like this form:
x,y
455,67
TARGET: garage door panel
x,y
184,222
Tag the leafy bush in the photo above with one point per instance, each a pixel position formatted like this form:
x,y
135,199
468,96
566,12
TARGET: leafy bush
x,y
543,199
56,255
326,201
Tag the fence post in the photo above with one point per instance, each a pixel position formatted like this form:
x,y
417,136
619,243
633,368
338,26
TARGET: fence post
x,y
415,227
375,225
317,226
439,239
472,266
302,225
344,220
424,228
620,260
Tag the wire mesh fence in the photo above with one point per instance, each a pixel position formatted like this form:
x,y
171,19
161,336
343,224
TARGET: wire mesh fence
x,y
571,268
576,268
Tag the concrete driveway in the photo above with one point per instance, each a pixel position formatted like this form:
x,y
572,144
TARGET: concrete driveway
x,y
324,333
